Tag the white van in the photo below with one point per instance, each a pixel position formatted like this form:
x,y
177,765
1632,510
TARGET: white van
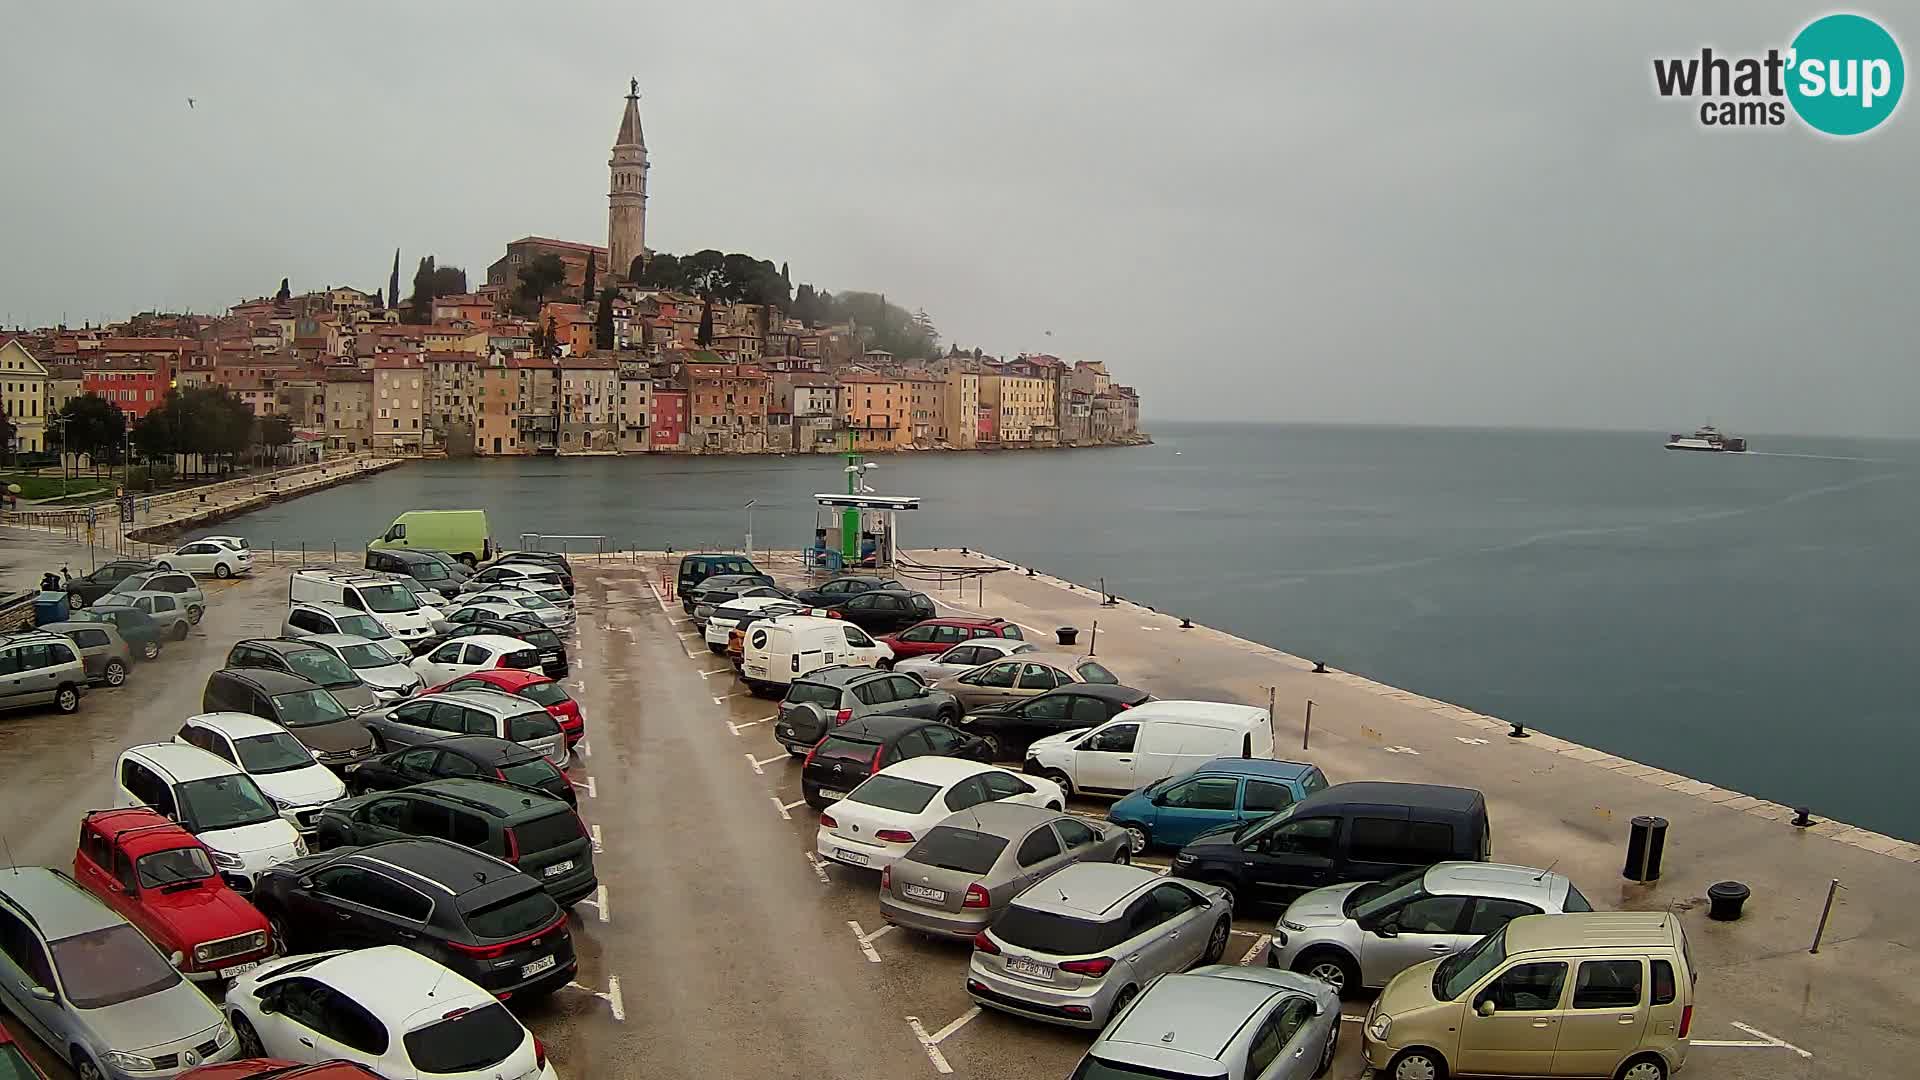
x,y
215,801
781,649
395,605
1151,742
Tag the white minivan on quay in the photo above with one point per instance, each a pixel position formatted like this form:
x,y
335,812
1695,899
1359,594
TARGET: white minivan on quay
x,y
376,594
215,801
1151,742
780,650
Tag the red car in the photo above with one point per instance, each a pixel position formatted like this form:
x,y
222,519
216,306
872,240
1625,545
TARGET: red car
x,y
162,879
933,636
531,685
262,1068
14,1062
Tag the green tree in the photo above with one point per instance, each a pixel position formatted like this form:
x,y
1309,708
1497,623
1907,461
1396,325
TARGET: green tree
x,y
540,276
586,288
705,337
552,336
393,281
805,305
420,305
603,322
637,270
7,433
273,433
285,293
94,426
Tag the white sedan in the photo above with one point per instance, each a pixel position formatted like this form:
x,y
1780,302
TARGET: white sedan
x,y
389,1009
892,809
464,656
204,557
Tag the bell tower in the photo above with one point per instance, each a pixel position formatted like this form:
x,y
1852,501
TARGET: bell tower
x,y
627,190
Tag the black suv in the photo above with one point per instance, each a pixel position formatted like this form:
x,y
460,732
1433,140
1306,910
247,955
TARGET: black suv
x,y
830,696
82,591
882,611
553,651
423,568
1011,725
528,828
474,914
859,748
482,756
841,588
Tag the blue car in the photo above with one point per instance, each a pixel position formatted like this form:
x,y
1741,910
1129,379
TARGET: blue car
x,y
1224,791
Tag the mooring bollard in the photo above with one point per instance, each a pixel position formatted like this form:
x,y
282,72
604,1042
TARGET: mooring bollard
x,y
1646,843
1067,634
1519,731
1319,667
1821,930
1802,817
1724,900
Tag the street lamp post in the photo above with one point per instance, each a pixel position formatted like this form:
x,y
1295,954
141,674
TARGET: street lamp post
x,y
749,510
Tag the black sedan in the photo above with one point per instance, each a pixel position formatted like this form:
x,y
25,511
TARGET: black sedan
x,y
843,588
480,756
694,597
859,748
883,611
1009,726
82,591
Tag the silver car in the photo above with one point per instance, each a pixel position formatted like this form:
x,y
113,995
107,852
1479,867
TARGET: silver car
x,y
469,712
962,658
163,608
1080,945
307,618
1024,676
390,680
1363,934
94,989
966,870
102,649
177,582
551,615
1233,1023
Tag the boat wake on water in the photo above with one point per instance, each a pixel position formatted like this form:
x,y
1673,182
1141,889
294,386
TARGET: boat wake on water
x,y
1822,457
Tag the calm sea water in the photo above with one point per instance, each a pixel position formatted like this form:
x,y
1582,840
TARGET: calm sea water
x,y
1747,620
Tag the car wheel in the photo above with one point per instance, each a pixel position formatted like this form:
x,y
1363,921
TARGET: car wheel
x,y
222,570
467,558
66,699
1330,966
84,1067
996,750
150,650
1646,1067
1138,838
277,926
1418,1063
1122,1000
885,664
164,564
1326,1056
1123,857
949,717
180,631
1233,891
75,601
1217,941
248,1038
1060,778
115,673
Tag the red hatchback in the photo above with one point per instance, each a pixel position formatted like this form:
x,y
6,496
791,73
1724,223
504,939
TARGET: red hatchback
x,y
531,685
938,635
160,878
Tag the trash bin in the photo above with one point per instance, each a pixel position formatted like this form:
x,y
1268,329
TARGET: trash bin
x,y
1725,898
49,607
1646,841
1067,634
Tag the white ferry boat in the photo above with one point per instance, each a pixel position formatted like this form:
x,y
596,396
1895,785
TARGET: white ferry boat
x,y
1709,439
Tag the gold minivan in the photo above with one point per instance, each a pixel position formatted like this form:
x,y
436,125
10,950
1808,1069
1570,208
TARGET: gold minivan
x,y
1599,994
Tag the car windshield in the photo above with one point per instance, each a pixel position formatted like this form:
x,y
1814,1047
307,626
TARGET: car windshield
x,y
365,656
274,752
521,913
110,965
533,772
170,867
539,639
559,829
546,693
963,850
806,693
1264,825
224,802
427,570
322,667
1048,932
1457,973
1375,897
531,603
840,746
894,793
388,599
468,1042
307,708
1093,1068
365,626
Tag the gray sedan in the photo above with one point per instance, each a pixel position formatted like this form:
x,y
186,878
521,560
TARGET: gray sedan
x,y
551,615
962,658
965,870
1235,1023
101,647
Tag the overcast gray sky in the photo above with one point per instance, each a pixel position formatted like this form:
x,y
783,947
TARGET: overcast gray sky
x,y
1417,213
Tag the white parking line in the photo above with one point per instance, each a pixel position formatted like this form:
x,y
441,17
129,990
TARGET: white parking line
x,y
598,846
1760,1040
758,763
931,1043
592,792
866,940
793,805
819,868
729,697
737,728
781,807
612,998
1256,950
598,903
716,671
585,748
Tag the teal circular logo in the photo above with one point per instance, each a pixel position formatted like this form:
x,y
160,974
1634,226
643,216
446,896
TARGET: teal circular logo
x,y
1845,74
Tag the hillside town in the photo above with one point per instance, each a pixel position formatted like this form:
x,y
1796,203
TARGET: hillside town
x,y
570,348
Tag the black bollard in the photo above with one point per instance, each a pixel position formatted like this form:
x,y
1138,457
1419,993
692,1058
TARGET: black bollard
x,y
1802,817
1067,634
1519,731
1725,899
1646,843
1186,623
1319,667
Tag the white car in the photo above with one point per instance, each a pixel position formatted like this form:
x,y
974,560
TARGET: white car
x,y
205,557
892,809
215,801
533,577
237,543
390,679
388,1008
279,763
464,656
962,658
728,615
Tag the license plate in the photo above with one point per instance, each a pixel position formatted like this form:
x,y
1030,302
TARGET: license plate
x,y
1033,969
854,857
545,963
238,970
558,868
921,892
758,671
835,796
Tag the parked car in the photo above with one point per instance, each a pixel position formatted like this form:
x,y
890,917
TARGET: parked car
x,y
432,717
1221,1020
93,988
477,915
165,609
304,620
782,649
530,829
88,589
215,801
14,1064
934,636
736,647
525,627
884,611
460,571
390,680
719,623
1149,743
960,658
40,668
1507,1005
845,587
207,557
160,878
697,567
961,875
1226,791
533,686
477,652
1077,951
888,812
859,748
553,559
521,575
424,569
551,615
176,583
1349,832
307,658
430,600
393,1011
103,651
267,1068
296,784
1012,726
142,635
1029,674
376,594
460,755
830,696
1365,933
718,584
305,709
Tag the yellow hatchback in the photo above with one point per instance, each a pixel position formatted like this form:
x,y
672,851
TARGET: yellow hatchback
x,y
1599,994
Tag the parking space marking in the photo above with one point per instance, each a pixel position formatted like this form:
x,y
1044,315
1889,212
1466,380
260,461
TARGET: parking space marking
x,y
588,787
931,1043
1257,949
585,748
781,807
598,846
794,805
598,903
758,763
716,671
611,996
866,940
691,655
737,728
691,633
1401,750
1760,1041
819,868
729,697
